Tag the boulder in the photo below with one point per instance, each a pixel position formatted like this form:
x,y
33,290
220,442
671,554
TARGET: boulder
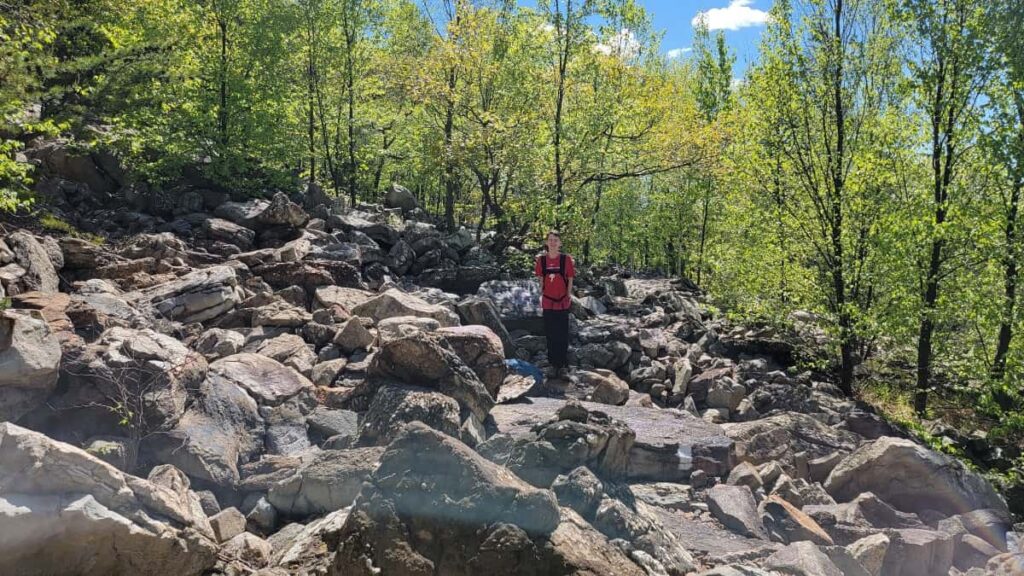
x,y
394,406
607,355
329,482
39,274
253,551
803,559
394,302
421,360
479,515
135,378
479,348
481,312
575,437
735,508
226,231
281,314
227,524
218,343
580,490
198,296
607,388
346,298
917,552
401,326
782,436
352,336
326,423
310,274
726,393
30,356
398,196
870,551
281,211
460,279
745,474
290,350
669,444
221,430
266,380
636,530
61,508
913,478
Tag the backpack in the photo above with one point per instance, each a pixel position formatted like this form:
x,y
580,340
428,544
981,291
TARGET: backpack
x,y
561,272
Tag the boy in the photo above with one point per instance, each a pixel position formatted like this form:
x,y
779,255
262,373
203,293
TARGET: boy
x,y
556,271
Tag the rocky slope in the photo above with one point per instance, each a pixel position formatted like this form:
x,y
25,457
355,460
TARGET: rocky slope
x,y
282,387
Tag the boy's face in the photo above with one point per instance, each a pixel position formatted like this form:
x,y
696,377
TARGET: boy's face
x,y
554,243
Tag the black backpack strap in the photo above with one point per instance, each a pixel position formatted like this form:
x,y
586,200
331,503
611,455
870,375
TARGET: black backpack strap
x,y
561,269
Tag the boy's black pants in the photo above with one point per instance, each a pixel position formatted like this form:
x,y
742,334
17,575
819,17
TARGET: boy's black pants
x,y
556,329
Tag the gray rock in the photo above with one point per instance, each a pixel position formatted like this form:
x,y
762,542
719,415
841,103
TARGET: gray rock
x,y
39,272
580,490
248,548
480,349
916,552
352,336
226,231
280,313
227,524
221,430
401,326
481,312
329,482
726,393
474,504
744,474
326,372
267,380
669,445
399,196
218,343
607,387
802,559
780,437
914,478
282,212
735,508
394,302
30,356
394,406
262,517
421,360
198,296
61,507
870,551
290,350
325,423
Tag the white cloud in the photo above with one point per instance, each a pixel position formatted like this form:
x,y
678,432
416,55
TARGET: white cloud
x,y
677,52
622,44
737,15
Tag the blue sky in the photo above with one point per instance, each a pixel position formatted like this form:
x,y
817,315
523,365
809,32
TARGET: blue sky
x,y
741,20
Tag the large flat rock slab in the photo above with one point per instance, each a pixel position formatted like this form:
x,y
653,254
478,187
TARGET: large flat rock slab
x,y
669,444
710,542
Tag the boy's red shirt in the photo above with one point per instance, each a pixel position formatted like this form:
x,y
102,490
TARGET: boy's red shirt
x,y
553,283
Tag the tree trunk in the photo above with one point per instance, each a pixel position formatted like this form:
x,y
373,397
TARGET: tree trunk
x,y
1010,286
222,111
311,93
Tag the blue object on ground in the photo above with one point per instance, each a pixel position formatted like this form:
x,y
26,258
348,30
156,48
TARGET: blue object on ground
x,y
526,369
